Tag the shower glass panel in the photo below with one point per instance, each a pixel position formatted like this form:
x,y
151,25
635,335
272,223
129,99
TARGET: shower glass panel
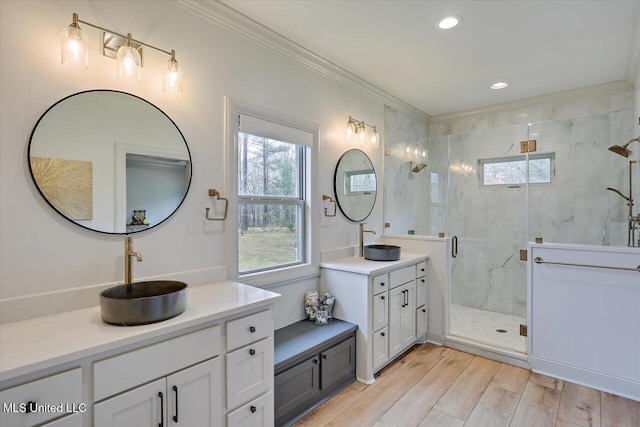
x,y
488,296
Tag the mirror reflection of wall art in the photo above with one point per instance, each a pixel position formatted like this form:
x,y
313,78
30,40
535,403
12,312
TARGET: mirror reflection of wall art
x,y
66,184
137,159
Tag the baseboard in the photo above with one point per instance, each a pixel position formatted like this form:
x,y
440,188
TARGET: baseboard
x,y
48,303
598,380
499,355
435,338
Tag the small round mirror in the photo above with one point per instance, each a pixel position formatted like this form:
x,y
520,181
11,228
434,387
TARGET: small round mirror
x,y
110,161
355,185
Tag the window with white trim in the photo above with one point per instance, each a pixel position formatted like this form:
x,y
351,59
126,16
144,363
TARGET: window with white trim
x,y
271,195
512,171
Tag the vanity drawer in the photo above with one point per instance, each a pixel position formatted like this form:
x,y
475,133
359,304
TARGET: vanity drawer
x,y
249,329
421,321
421,290
128,370
421,269
402,276
64,388
380,311
257,413
380,348
380,283
249,372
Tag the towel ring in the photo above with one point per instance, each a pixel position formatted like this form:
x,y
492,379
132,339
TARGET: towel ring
x,y
325,197
215,193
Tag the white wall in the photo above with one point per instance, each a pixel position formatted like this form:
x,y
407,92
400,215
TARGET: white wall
x,y
42,255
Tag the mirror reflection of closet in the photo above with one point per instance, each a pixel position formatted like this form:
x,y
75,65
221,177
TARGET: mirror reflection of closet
x,y
110,161
355,185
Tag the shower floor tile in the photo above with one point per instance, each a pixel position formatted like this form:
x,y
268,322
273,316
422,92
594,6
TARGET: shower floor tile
x,y
482,325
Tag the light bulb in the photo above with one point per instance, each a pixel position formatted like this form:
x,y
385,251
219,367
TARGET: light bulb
x,y
349,131
74,45
129,62
172,76
361,133
375,138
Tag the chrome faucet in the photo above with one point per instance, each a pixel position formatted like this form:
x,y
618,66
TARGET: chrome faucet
x,y
361,238
128,253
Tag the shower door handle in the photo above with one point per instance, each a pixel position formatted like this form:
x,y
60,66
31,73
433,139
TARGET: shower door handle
x,y
454,247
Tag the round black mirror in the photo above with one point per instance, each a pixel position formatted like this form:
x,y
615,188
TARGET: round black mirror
x,y
355,185
110,161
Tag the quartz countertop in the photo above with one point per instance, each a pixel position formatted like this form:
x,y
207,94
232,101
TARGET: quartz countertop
x,y
364,266
31,345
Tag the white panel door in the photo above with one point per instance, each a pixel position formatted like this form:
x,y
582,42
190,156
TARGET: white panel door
x,y
396,305
249,372
144,406
408,315
421,292
380,345
380,311
195,396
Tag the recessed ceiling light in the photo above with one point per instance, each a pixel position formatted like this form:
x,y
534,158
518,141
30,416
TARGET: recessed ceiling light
x,y
499,85
449,22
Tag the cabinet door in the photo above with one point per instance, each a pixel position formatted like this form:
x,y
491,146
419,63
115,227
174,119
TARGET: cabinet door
x,y
421,321
257,413
396,306
194,395
249,372
380,346
296,388
421,292
409,315
141,407
380,311
338,365
74,420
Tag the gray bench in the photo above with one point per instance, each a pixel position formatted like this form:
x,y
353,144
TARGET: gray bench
x,y
312,363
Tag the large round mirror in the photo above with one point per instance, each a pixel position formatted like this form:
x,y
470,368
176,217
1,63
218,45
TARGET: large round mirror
x,y
110,161
355,185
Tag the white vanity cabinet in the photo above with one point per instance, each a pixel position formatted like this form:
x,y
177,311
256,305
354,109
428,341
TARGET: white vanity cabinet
x,y
384,299
174,373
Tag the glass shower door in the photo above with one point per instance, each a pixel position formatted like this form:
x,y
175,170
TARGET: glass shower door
x,y
487,214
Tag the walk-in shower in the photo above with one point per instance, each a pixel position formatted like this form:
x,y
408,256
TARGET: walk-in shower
x,y
634,220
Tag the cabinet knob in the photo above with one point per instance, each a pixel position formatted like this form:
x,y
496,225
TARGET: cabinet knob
x,y
381,296
252,352
315,361
381,283
422,269
252,329
382,333
422,280
324,356
253,409
424,310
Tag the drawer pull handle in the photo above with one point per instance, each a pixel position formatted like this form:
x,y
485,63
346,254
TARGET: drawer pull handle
x,y
161,396
315,361
381,283
382,333
324,356
252,352
31,407
422,269
252,329
422,280
253,409
424,310
175,417
382,297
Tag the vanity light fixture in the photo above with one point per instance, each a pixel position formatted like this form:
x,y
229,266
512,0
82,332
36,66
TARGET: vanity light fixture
x,y
449,22
127,51
499,85
358,129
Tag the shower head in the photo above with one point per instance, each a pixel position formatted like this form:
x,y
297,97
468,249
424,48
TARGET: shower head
x,y
418,167
622,149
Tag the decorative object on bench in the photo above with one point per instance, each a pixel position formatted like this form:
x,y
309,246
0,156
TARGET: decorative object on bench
x,y
326,304
311,304
312,364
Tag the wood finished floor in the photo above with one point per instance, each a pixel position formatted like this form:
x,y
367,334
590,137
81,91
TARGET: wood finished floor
x,y
443,387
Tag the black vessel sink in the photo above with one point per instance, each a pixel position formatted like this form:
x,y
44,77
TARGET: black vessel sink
x,y
381,252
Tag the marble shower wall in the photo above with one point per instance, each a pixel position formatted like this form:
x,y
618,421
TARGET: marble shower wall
x,y
575,208
407,194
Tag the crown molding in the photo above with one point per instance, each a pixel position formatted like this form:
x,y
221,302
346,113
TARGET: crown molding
x,y
242,25
596,90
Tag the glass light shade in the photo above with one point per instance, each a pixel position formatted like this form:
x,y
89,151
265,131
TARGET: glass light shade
x,y
129,64
375,138
172,78
361,134
74,48
349,131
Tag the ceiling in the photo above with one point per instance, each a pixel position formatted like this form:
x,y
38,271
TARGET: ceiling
x,y
538,47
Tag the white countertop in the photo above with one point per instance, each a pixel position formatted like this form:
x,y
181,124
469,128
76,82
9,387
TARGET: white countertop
x,y
363,266
35,344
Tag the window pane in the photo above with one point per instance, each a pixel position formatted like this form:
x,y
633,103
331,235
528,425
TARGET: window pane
x,y
513,170
504,173
267,235
267,167
359,182
540,170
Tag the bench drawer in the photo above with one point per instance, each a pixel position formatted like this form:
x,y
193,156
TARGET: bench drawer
x,y
64,388
249,329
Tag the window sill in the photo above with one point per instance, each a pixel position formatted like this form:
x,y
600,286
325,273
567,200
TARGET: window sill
x,y
274,277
